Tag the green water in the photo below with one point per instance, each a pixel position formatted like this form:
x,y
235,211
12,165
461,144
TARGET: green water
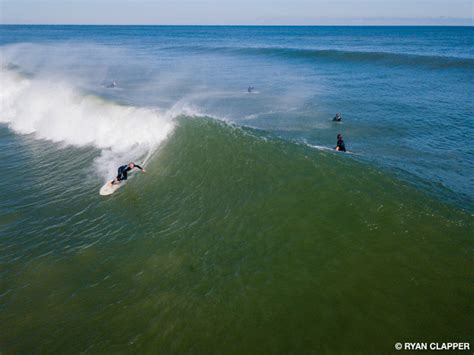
x,y
233,242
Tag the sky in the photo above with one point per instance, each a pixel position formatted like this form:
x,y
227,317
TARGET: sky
x,y
238,12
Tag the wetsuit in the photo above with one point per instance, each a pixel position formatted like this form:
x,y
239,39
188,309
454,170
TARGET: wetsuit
x,y
341,145
123,171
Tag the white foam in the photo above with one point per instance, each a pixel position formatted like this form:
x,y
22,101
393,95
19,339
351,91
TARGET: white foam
x,y
58,112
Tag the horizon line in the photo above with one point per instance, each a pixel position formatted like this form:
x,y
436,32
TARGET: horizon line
x,y
239,25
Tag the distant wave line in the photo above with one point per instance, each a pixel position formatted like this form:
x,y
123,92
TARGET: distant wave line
x,y
405,59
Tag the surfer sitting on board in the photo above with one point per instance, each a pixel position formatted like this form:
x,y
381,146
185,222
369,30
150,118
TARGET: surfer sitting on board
x,y
123,171
341,147
337,118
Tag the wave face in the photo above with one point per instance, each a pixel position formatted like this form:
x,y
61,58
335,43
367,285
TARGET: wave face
x,y
58,112
226,218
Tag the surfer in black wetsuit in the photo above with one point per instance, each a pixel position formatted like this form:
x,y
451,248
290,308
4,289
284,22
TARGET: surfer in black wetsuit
x,y
340,146
337,118
123,171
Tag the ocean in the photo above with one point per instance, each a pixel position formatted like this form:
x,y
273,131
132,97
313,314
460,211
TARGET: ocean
x,y
248,233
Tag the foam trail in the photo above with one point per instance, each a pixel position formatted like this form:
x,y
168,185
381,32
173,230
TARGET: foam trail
x,y
58,112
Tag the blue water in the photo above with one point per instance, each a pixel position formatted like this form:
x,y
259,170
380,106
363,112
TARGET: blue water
x,y
248,233
405,92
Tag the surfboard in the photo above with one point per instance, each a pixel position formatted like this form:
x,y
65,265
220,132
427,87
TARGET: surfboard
x,y
320,147
109,189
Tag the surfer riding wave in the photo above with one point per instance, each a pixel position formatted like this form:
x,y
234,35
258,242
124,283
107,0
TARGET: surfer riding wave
x,y
122,173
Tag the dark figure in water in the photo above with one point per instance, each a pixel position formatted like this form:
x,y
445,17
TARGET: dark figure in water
x,y
341,147
250,89
123,171
337,118
111,85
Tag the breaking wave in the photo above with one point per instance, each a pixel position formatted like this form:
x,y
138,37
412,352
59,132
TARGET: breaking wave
x,y
58,112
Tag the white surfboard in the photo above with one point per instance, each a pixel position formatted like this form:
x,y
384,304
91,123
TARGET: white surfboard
x,y
320,147
109,188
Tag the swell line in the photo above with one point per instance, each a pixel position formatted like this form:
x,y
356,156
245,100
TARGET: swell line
x,y
387,58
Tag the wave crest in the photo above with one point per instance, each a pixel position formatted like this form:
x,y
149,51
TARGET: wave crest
x,y
58,112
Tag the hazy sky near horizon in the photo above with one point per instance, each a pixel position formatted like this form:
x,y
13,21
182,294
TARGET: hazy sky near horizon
x,y
232,12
